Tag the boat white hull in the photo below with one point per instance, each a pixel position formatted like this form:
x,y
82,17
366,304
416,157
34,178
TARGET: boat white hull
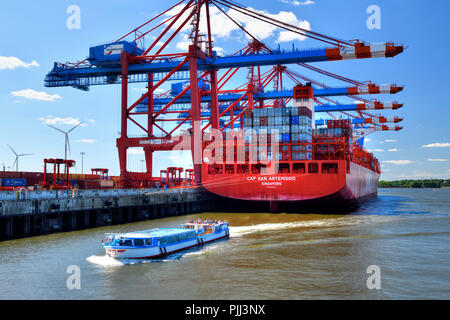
x,y
160,251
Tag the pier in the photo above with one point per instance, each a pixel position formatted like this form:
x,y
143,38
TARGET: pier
x,y
32,213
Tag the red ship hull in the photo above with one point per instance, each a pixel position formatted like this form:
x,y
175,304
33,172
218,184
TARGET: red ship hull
x,y
348,186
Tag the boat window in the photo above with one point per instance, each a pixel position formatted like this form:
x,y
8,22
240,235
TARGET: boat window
x,y
125,242
173,238
330,168
313,167
138,242
283,168
148,242
242,168
299,167
163,241
229,169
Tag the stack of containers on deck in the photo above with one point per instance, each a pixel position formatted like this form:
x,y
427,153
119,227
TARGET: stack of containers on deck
x,y
301,133
341,128
303,105
293,124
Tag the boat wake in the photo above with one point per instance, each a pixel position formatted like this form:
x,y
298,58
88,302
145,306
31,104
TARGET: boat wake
x,y
331,222
242,230
198,251
105,261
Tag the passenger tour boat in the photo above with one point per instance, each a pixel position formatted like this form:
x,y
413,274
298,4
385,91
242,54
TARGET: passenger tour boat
x,y
159,242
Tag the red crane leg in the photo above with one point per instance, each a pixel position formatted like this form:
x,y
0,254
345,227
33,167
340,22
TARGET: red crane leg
x,y
214,101
196,138
231,117
149,153
121,142
250,100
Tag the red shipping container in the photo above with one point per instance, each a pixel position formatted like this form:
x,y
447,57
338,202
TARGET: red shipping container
x,y
263,121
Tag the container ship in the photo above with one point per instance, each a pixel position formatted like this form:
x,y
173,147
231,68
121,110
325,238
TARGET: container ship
x,y
286,157
321,165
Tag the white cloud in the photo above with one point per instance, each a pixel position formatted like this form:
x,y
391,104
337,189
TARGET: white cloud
x,y
392,150
223,27
375,150
437,160
86,141
184,44
298,3
437,145
424,174
35,95
367,139
390,140
13,62
401,162
217,18
67,121
286,36
219,51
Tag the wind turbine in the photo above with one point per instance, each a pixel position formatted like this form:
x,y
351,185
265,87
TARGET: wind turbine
x,y
66,134
16,162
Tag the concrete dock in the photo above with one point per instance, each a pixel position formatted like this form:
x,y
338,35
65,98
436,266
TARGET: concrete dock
x,y
32,213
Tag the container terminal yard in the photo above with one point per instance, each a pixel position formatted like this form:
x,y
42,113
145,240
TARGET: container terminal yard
x,y
276,142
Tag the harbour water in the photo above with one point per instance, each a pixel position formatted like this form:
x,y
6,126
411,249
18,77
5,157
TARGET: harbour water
x,y
405,232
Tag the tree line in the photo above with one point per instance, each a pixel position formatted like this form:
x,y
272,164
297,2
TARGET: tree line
x,y
428,183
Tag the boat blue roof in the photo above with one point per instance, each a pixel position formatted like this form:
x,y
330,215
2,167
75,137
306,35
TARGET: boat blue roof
x,y
157,232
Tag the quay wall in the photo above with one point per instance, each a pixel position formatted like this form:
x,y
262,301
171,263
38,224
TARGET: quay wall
x,y
32,213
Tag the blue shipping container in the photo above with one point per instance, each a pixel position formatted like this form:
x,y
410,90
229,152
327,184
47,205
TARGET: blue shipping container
x,y
10,182
286,137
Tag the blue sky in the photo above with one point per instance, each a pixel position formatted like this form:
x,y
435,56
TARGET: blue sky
x,y
36,34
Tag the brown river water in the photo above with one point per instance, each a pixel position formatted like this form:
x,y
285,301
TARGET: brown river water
x,y
405,232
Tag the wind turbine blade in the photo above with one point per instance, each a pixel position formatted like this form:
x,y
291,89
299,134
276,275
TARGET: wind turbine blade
x,y
75,126
17,158
24,154
56,129
12,149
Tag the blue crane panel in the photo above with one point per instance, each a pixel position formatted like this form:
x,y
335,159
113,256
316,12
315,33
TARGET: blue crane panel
x,y
109,54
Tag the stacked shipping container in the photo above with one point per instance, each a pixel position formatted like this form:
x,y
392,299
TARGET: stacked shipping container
x,y
341,128
292,125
